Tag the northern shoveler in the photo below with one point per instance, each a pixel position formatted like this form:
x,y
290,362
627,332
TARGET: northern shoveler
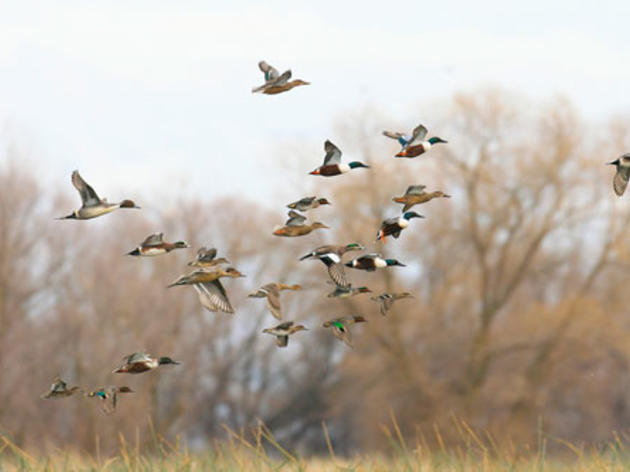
x,y
276,83
393,226
346,292
153,245
386,300
212,295
283,331
139,362
620,181
331,256
308,203
59,389
332,162
207,258
92,206
271,292
414,145
295,226
371,262
108,396
416,195
340,327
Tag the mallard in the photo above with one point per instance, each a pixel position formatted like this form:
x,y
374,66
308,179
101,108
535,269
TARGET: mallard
x,y
393,226
92,206
207,258
371,262
59,389
331,256
212,295
332,162
308,203
139,362
620,181
340,327
108,396
416,195
414,145
386,300
276,83
271,292
346,292
283,331
295,226
153,245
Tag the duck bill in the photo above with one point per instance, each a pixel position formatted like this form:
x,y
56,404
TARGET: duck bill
x,y
315,172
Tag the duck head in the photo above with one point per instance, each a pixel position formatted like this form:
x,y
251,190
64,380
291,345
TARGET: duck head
x,y
437,140
354,247
355,164
394,262
167,360
181,244
411,214
128,204
323,201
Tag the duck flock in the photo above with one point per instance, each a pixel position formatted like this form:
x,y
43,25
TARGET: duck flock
x,y
208,270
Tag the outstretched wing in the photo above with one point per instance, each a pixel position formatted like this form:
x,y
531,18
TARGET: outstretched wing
x,y
271,73
400,137
335,269
295,219
281,80
415,190
282,341
333,154
620,182
212,296
154,239
418,135
87,193
273,300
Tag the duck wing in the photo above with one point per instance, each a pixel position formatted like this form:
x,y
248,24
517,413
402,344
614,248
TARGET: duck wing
x,y
271,73
620,182
282,341
273,300
206,255
335,269
415,190
87,193
295,219
212,296
418,135
333,154
154,239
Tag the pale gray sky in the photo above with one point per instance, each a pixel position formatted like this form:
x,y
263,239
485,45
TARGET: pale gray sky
x,y
154,96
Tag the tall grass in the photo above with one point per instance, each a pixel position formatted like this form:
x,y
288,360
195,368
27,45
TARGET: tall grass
x,y
256,449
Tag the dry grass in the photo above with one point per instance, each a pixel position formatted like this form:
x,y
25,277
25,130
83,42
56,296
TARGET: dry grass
x,y
258,450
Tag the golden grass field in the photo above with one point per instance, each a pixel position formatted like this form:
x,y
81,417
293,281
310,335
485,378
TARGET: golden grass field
x,y
258,450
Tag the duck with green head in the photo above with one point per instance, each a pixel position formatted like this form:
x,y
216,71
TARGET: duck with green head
x,y
332,162
109,396
91,204
414,145
140,362
371,262
154,245
394,226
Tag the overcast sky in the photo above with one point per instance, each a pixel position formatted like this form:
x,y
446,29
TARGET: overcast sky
x,y
152,95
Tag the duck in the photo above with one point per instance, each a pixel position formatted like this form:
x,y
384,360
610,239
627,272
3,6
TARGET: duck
x,y
209,288
331,256
92,206
207,258
371,262
295,226
140,362
271,292
332,162
416,195
109,396
340,327
414,145
153,245
346,292
386,300
276,83
308,203
393,226
620,181
59,389
283,331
